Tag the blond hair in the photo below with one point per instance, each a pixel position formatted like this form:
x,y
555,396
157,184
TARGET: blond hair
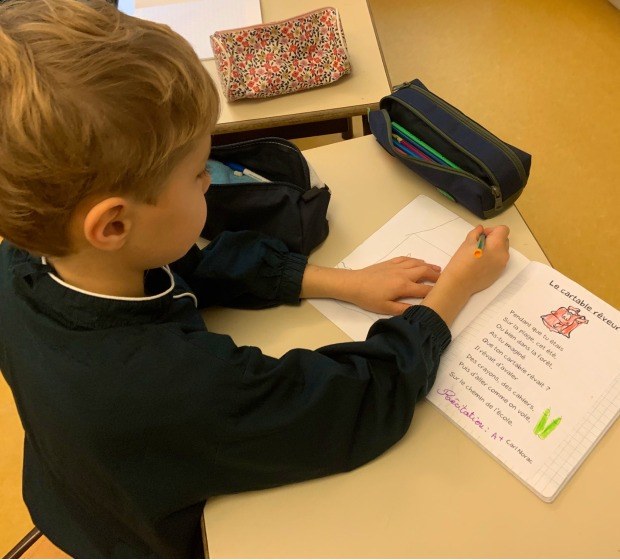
x,y
92,102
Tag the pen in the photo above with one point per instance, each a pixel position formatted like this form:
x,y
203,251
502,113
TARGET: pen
x,y
480,247
245,171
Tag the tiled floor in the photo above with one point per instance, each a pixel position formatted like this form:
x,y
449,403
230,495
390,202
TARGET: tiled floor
x,y
546,77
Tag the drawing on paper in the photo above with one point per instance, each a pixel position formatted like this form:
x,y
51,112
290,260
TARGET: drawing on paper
x,y
542,429
564,320
413,244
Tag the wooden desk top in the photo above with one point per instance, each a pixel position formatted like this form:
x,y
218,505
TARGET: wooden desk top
x,y
349,96
434,494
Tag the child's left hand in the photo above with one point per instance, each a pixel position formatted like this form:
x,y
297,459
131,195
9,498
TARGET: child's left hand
x,y
377,287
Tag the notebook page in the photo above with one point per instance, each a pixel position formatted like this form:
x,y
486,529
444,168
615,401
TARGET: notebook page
x,y
534,378
196,20
556,472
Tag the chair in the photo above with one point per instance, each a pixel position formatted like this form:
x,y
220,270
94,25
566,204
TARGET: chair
x,y
35,545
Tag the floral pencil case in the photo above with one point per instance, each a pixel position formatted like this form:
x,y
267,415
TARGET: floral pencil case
x,y
281,57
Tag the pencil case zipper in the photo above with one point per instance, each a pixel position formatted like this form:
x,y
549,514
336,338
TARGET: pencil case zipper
x,y
276,23
470,123
493,188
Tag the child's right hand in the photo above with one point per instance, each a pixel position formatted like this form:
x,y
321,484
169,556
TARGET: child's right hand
x,y
476,274
465,274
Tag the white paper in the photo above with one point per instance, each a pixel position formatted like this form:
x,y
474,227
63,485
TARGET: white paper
x,y
196,20
425,230
127,6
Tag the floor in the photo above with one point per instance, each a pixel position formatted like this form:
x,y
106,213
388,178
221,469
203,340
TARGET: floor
x,y
543,76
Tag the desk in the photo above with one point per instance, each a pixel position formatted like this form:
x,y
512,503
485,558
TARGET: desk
x,y
434,494
321,110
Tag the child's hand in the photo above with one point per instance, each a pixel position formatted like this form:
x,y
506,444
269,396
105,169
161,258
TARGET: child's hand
x,y
476,274
465,275
375,288
378,287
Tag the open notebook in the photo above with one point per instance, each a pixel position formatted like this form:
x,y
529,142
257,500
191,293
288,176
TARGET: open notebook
x,y
532,373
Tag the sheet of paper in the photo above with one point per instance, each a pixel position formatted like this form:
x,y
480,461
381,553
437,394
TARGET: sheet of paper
x,y
425,230
127,6
196,20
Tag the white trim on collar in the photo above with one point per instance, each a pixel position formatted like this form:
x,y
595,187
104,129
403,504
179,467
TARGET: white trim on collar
x,y
118,298
189,295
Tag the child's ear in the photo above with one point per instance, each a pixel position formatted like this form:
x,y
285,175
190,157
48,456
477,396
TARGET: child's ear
x,y
107,224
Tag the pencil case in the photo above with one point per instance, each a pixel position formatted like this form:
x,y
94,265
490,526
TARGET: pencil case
x,y
290,202
281,57
465,161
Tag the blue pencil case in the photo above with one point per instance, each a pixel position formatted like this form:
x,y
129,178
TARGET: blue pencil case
x,y
465,161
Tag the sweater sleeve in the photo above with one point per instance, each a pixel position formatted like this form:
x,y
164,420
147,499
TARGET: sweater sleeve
x,y
243,269
196,416
314,413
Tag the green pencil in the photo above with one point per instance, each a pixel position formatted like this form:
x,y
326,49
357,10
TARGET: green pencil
x,y
415,139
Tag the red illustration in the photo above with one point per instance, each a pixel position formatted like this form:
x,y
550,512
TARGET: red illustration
x,y
564,320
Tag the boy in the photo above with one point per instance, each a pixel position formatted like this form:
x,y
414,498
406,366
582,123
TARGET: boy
x,y
134,413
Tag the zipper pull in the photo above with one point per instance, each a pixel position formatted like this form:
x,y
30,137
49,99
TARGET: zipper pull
x,y
497,193
401,86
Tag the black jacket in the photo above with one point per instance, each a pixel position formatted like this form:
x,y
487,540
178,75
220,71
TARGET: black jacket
x,y
135,414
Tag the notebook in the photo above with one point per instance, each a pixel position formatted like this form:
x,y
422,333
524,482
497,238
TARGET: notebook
x,y
533,372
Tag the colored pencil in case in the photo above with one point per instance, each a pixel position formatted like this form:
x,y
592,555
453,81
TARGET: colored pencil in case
x,y
399,150
411,147
406,150
427,154
423,145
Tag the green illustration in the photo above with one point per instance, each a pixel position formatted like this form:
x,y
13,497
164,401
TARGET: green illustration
x,y
542,429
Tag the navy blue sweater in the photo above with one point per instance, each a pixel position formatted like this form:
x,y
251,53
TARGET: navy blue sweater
x,y
135,414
